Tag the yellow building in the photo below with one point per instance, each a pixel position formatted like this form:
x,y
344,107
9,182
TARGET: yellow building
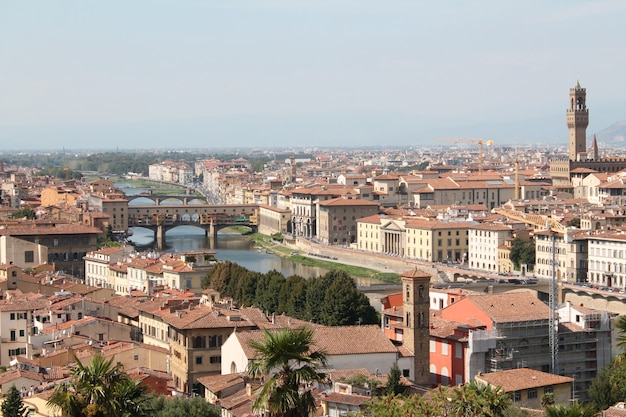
x,y
418,238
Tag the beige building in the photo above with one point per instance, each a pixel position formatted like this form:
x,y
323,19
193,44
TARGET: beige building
x,y
527,386
273,220
197,335
337,219
450,191
16,327
437,240
22,253
97,265
570,254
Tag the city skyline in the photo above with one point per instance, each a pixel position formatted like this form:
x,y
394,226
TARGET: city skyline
x,y
197,74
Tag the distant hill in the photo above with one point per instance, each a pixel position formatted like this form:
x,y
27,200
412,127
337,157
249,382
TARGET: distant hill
x,y
615,133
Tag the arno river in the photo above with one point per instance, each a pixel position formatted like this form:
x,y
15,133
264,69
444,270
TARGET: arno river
x,y
238,249
234,248
231,247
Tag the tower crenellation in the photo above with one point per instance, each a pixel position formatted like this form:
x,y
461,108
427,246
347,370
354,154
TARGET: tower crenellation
x,y
577,119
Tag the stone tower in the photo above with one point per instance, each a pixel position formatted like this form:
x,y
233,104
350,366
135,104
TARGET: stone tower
x,y
577,118
292,160
416,332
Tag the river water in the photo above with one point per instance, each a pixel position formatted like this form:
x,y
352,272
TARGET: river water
x,y
231,247
234,248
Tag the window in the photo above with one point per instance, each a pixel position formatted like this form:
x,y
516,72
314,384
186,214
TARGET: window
x,y
532,393
13,336
29,256
516,396
22,333
458,350
215,359
444,348
433,346
215,341
12,315
548,389
136,357
199,360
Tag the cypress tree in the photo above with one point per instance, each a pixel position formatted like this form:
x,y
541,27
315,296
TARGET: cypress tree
x,y
13,405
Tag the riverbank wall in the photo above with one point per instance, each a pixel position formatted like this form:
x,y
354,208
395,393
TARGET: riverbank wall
x,y
370,260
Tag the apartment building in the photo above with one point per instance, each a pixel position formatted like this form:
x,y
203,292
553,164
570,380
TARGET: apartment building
x,y
437,240
564,254
97,264
338,217
510,330
606,259
484,241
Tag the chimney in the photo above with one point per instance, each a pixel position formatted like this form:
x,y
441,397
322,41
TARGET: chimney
x,y
248,389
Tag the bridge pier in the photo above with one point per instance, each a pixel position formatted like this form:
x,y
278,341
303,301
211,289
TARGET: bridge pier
x,y
211,232
159,236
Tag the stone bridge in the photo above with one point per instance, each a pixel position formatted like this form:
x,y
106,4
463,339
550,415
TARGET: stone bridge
x,y
163,217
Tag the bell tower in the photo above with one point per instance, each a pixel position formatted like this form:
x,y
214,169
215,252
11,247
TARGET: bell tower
x,y
577,118
416,331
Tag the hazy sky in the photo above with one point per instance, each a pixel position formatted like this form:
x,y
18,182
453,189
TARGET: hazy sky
x,y
203,73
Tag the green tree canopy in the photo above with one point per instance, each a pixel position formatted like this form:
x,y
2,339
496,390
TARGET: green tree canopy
x,y
12,406
287,356
332,299
182,407
27,213
99,389
523,252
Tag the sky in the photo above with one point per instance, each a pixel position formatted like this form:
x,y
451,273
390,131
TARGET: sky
x,y
180,74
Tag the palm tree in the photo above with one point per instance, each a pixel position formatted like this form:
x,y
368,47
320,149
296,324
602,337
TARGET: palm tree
x,y
99,389
286,356
576,410
620,325
476,399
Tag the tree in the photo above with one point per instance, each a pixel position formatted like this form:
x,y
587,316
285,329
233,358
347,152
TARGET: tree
x,y
182,407
620,326
27,213
394,386
522,252
287,356
13,405
575,410
344,304
472,399
99,389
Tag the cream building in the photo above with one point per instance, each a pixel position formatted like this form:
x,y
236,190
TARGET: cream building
x,y
484,241
273,220
97,265
570,254
22,253
607,259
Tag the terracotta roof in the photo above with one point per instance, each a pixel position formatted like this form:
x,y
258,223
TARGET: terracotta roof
x,y
336,340
348,399
340,202
217,383
522,378
511,307
20,373
618,410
